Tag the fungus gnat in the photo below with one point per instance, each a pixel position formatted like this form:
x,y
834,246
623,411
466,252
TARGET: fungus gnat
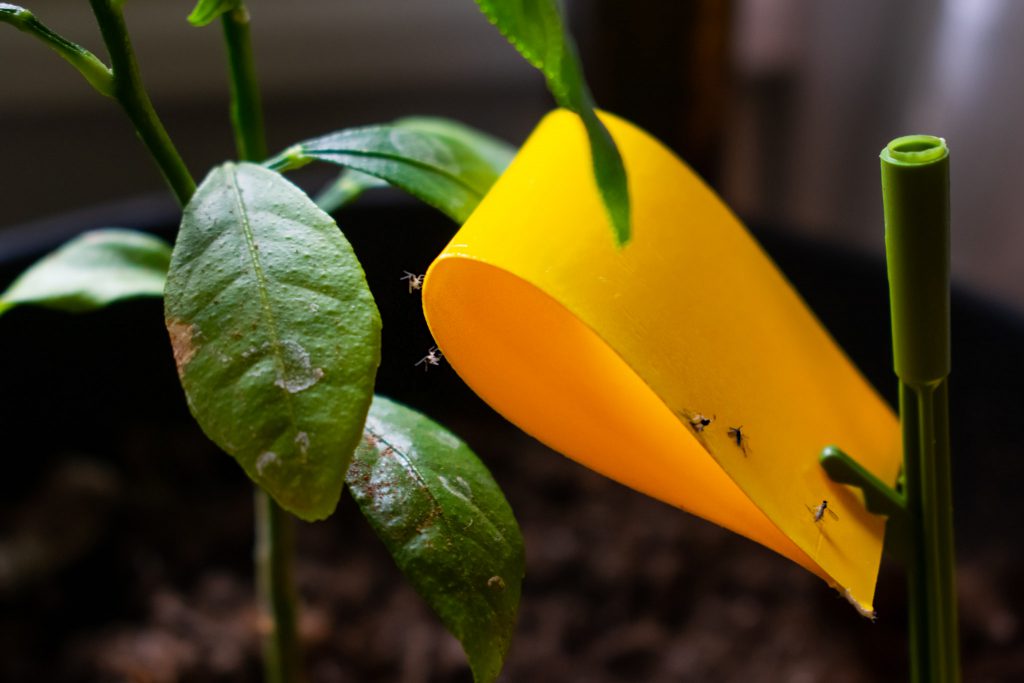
x,y
433,357
818,511
415,282
741,439
700,422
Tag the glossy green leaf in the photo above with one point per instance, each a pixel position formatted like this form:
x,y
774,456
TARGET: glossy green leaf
x,y
93,270
537,30
447,524
207,10
275,334
495,152
450,167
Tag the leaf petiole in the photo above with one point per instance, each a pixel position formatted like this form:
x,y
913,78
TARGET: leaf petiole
x,y
98,74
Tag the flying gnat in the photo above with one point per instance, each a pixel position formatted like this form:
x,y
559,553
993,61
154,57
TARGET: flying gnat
x,y
741,439
700,422
818,511
433,357
415,282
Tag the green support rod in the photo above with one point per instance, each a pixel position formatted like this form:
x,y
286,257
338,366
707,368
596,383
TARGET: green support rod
x,y
915,193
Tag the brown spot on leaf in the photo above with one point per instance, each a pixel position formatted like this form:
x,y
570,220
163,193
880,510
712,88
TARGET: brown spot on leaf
x,y
183,337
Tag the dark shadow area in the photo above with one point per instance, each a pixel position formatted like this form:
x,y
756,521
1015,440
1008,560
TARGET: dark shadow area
x,y
125,539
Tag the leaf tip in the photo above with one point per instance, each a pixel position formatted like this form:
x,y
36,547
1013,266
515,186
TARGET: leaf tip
x,y
623,230
15,13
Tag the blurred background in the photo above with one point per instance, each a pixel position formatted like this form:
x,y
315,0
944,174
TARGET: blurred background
x,y
782,105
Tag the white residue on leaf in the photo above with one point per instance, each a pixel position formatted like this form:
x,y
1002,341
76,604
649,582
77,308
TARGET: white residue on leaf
x,y
448,439
460,489
298,372
266,459
386,431
302,441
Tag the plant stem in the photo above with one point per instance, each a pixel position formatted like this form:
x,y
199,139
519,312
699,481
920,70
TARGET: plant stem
x,y
132,96
275,544
246,106
915,188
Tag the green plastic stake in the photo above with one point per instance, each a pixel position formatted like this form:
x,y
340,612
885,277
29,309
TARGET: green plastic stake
x,y
915,193
879,498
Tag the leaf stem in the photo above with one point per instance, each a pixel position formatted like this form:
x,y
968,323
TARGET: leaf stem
x,y
275,546
275,528
91,67
131,95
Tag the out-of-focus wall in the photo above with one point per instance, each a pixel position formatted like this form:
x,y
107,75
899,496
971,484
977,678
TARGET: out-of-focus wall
x,y
822,85
790,135
324,64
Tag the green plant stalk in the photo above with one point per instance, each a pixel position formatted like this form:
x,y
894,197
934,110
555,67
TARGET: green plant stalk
x,y
275,528
131,95
275,585
915,189
246,105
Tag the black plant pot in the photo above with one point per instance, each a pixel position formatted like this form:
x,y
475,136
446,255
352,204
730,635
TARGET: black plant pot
x,y
145,528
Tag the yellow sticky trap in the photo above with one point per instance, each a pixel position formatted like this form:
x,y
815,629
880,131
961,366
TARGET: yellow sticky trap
x,y
610,354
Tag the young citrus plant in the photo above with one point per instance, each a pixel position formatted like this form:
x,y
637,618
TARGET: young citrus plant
x,y
275,332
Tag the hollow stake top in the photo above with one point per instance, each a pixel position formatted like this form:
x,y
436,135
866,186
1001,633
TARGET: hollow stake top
x,y
915,194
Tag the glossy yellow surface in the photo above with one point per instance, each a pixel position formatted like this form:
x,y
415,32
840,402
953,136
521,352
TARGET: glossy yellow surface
x,y
607,354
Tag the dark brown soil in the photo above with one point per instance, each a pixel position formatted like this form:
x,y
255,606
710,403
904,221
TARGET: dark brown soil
x,y
125,537
618,588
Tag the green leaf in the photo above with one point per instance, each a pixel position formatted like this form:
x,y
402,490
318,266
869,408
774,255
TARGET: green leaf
x,y
93,270
275,334
537,30
610,173
495,152
448,526
207,10
450,167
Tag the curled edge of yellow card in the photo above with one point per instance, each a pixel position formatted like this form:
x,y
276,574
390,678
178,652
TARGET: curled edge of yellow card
x,y
609,354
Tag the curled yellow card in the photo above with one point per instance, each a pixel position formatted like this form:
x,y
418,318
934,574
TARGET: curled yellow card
x,y
682,365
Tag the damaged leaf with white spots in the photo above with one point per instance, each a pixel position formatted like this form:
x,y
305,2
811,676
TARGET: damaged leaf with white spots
x,y
275,334
447,524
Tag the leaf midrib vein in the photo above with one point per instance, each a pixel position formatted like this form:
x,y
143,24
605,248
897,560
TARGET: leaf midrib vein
x,y
411,469
262,287
447,175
